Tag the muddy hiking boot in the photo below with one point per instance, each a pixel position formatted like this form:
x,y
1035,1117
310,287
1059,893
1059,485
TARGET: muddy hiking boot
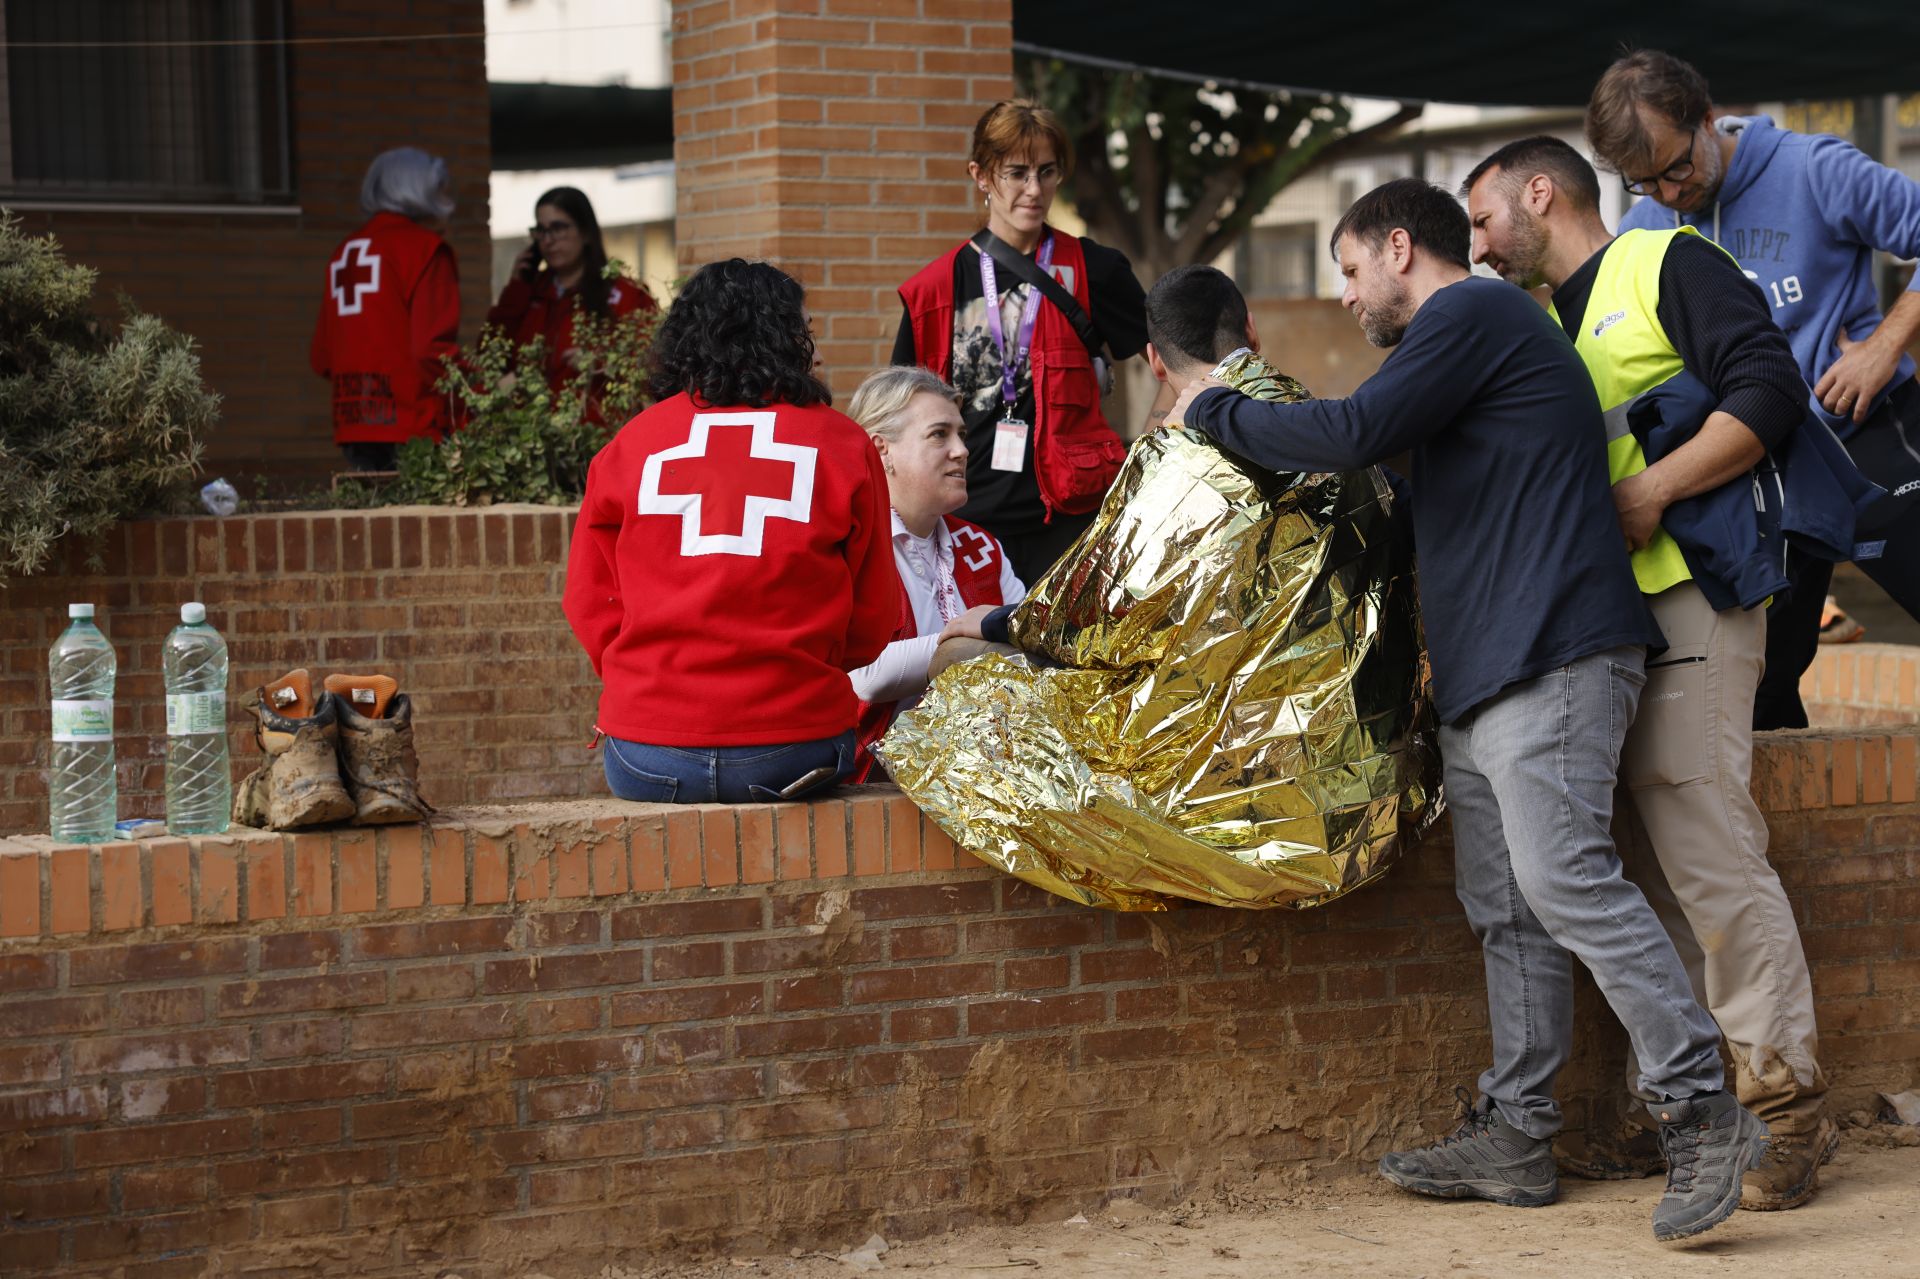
x,y
1614,1146
299,783
1790,1173
377,759
1711,1141
1486,1158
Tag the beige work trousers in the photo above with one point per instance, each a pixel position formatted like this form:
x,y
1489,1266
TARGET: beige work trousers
x,y
1696,844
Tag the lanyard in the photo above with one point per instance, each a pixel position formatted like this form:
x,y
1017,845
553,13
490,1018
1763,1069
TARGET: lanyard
x,y
938,575
1010,362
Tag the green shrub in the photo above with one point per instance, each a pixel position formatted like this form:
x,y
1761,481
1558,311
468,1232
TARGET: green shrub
x,y
523,441
97,424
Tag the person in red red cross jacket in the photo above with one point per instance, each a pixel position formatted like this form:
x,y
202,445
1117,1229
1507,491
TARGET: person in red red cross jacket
x,y
390,314
955,577
731,560
561,273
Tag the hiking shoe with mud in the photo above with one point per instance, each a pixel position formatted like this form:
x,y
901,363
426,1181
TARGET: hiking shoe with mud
x,y
377,759
1486,1158
1790,1173
1711,1141
1614,1146
299,784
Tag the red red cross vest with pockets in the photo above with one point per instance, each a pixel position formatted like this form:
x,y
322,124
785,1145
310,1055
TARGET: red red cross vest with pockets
x,y
390,313
532,309
978,560
1075,452
729,566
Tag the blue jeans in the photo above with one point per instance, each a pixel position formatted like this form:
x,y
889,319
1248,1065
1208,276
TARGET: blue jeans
x,y
1529,781
722,774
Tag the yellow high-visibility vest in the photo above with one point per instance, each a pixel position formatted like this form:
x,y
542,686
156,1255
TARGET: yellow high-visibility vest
x,y
1628,353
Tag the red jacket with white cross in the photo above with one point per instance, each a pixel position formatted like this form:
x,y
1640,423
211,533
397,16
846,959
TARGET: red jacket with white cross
x,y
389,315
729,566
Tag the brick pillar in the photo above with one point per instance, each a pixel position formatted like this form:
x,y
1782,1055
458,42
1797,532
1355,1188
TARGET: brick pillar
x,y
830,137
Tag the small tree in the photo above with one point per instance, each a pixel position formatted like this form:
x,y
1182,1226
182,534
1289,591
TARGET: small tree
x,y
520,440
1170,172
96,424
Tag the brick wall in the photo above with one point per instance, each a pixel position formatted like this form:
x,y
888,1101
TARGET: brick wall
x,y
832,140
248,285
1851,685
462,606
552,1037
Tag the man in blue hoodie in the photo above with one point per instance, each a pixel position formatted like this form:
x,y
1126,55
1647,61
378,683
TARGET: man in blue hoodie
x,y
1803,215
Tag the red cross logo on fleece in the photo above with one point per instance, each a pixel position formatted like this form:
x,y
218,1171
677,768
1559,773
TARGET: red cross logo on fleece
x,y
976,559
353,275
727,481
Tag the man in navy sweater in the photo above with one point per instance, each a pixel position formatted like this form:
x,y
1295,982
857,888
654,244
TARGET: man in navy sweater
x,y
1643,310
1538,638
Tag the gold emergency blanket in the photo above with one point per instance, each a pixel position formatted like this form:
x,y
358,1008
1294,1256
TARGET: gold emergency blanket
x,y
1239,712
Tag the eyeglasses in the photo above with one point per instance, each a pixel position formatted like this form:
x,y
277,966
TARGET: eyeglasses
x,y
550,231
1679,171
1018,175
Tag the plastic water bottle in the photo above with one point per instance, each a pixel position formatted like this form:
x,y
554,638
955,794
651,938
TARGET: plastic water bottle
x,y
81,795
199,785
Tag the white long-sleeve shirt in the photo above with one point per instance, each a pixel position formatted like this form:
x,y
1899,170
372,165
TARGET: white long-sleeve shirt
x,y
926,570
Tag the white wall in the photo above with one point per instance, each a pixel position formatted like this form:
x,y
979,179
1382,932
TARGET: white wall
x,y
587,42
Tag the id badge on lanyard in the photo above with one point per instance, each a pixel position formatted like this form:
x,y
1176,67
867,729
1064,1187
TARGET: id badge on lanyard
x,y
1010,432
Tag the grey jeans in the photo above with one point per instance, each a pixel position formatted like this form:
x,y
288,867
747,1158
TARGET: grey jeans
x,y
1530,779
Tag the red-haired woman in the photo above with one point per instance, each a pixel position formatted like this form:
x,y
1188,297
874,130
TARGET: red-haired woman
x,y
1026,359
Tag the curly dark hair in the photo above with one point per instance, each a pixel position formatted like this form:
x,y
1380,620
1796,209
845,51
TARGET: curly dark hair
x,y
737,334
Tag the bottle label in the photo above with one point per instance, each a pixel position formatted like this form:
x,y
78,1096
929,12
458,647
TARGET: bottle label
x,y
87,719
190,714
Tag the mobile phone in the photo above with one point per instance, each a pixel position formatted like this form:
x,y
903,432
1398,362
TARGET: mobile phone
x,y
539,259
807,781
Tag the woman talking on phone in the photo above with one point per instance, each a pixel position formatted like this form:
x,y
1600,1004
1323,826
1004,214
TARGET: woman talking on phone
x,y
561,273
1022,319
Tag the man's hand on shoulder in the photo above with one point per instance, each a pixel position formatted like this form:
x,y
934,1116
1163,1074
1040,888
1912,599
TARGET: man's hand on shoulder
x,y
1177,415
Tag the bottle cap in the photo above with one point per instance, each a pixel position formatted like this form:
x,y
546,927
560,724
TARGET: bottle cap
x,y
193,614
79,610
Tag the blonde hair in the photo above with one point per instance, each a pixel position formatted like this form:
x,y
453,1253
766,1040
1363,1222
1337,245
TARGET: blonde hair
x,y
1015,127
881,400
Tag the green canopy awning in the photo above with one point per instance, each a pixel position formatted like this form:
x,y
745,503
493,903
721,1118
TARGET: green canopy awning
x,y
1536,54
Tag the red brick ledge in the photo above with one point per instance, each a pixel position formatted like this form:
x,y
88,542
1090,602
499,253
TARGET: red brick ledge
x,y
1863,684
568,850
605,848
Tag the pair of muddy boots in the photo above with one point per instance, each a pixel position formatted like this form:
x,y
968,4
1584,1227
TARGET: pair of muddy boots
x,y
343,754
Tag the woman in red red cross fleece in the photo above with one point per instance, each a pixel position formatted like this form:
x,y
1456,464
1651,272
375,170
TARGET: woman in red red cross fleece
x,y
731,561
391,312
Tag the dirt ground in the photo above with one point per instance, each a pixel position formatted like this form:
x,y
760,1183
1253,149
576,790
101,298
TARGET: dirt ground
x,y
1866,1221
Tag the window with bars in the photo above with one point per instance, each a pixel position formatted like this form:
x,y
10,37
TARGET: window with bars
x,y
144,101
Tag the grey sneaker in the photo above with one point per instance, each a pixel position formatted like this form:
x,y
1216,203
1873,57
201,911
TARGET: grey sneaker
x,y
1487,1158
1711,1141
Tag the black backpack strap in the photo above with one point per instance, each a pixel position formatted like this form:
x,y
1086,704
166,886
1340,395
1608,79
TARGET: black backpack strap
x,y
1029,272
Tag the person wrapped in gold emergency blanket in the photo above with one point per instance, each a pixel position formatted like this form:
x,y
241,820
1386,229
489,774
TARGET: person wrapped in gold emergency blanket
x,y
1220,693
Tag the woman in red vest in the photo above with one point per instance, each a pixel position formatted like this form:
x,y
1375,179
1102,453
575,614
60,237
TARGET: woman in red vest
x,y
561,273
391,312
1041,454
954,577
731,562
